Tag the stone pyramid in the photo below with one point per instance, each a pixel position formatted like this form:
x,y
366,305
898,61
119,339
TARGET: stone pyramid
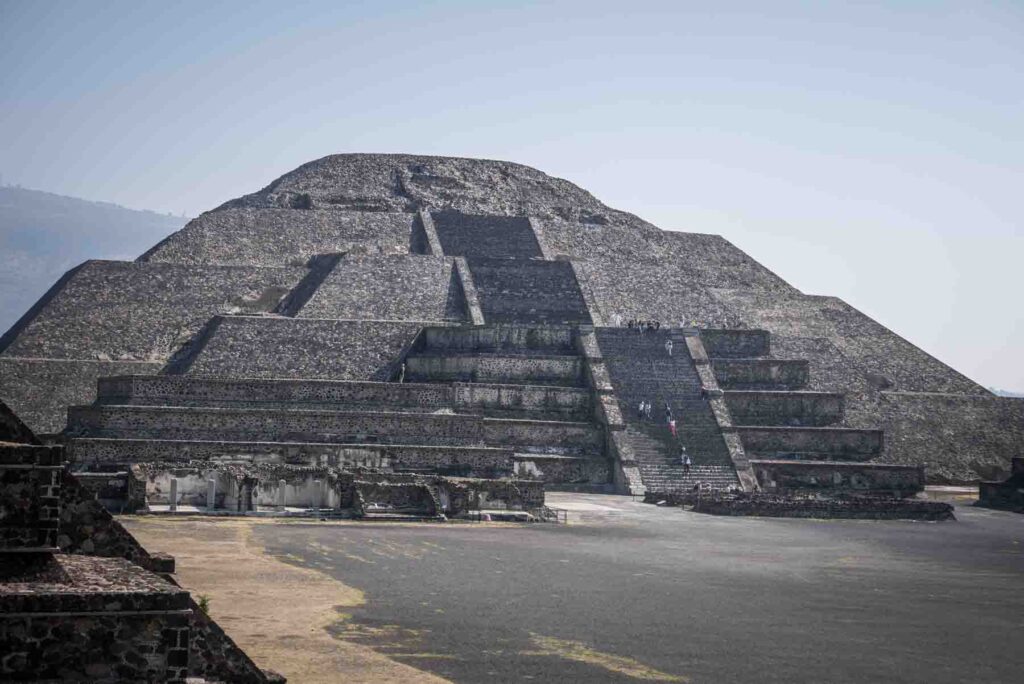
x,y
443,315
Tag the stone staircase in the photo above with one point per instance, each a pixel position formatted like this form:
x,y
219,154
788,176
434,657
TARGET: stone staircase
x,y
641,369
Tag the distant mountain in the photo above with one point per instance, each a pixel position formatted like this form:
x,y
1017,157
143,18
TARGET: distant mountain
x,y
42,235
1007,393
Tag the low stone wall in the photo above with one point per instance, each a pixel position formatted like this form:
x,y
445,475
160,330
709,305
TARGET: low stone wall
x,y
549,400
407,498
515,370
189,390
549,436
465,461
460,496
29,496
1007,495
225,424
562,470
811,409
872,478
798,442
108,488
768,374
181,390
339,427
498,338
861,508
271,486
744,344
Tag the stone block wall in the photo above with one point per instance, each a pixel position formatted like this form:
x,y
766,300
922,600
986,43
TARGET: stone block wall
x,y
465,461
547,339
229,424
409,287
818,443
93,619
278,237
545,436
563,470
190,390
814,409
868,478
29,497
570,403
767,374
742,344
525,370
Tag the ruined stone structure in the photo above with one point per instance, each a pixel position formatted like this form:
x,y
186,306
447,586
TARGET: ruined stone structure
x,y
429,317
80,599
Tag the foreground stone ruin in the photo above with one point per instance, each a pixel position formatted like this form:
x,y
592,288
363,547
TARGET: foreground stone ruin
x,y
1008,494
80,599
422,336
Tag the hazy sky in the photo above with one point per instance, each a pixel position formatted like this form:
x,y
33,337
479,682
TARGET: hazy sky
x,y
872,151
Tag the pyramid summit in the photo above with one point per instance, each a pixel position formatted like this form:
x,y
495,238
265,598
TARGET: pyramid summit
x,y
432,316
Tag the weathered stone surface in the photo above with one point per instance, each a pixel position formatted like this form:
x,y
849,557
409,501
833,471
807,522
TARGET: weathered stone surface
x,y
408,287
373,237
40,390
406,183
273,347
865,478
12,429
123,311
282,237
959,438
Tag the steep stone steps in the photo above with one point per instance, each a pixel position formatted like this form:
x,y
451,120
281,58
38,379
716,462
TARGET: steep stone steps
x,y
641,369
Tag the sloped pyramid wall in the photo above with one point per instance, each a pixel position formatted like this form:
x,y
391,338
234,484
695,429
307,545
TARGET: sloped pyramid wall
x,y
394,273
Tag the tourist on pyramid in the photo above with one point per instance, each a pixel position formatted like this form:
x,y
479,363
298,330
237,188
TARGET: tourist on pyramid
x,y
672,426
668,347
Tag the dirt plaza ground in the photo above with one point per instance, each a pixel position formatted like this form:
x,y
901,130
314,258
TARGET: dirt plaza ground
x,y
624,592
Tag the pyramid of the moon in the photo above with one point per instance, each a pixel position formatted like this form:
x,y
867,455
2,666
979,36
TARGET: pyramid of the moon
x,y
441,315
